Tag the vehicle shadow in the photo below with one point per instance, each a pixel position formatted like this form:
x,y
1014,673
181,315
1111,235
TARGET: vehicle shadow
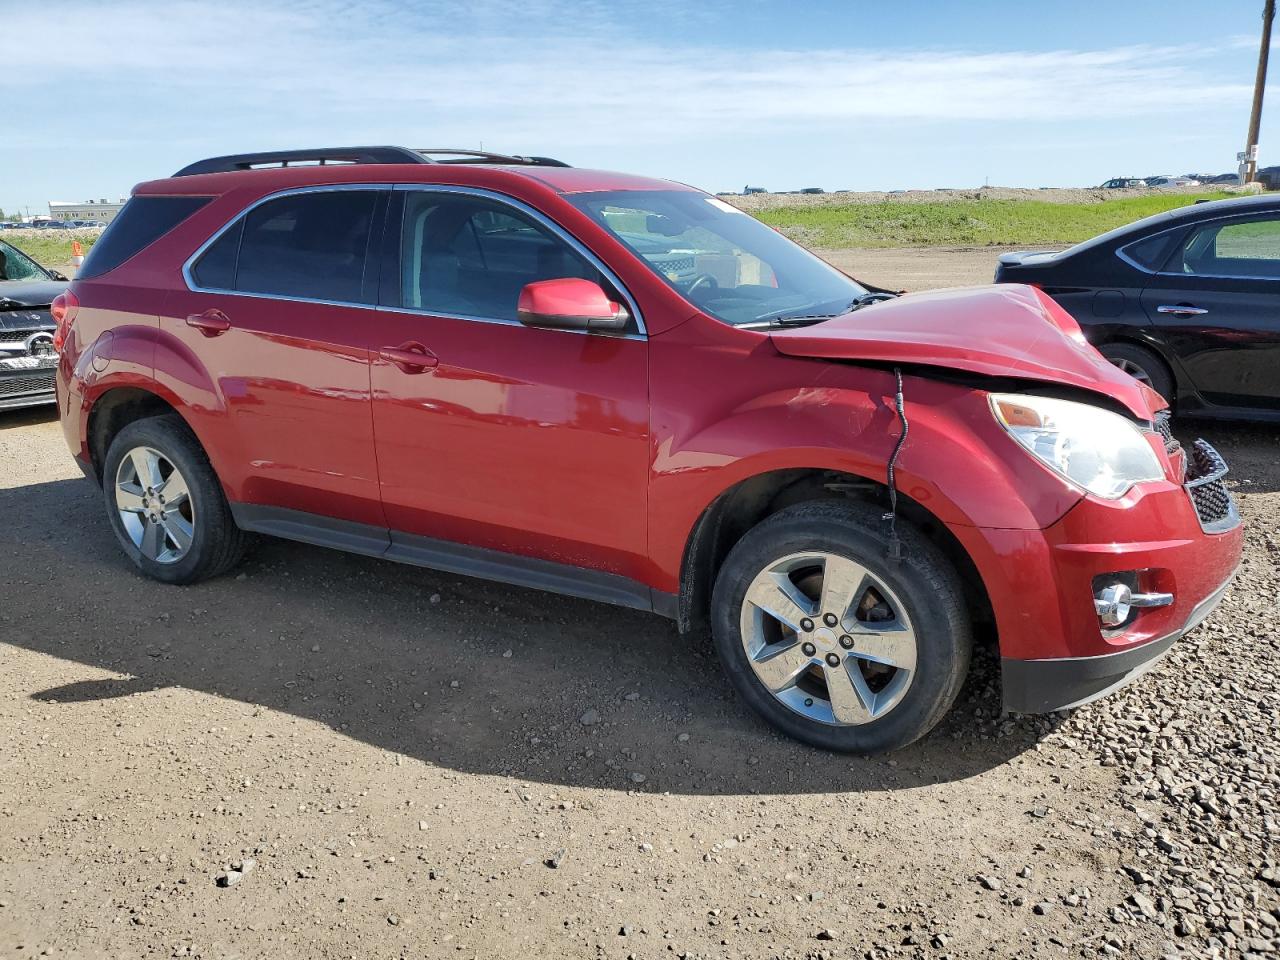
x,y
28,416
460,673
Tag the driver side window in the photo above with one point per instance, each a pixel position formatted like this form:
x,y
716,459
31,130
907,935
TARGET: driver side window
x,y
470,257
16,265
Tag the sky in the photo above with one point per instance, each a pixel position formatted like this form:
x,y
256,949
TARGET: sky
x,y
783,94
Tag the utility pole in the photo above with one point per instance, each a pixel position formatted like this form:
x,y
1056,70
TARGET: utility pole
x,y
1250,166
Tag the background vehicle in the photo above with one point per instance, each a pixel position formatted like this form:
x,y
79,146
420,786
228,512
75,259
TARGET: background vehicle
x,y
27,356
1215,178
1120,183
1185,301
1171,181
1269,177
480,365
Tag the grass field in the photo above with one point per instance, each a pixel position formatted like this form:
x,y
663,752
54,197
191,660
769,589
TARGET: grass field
x,y
959,223
963,223
52,248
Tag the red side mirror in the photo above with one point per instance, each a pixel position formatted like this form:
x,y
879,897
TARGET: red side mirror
x,y
570,303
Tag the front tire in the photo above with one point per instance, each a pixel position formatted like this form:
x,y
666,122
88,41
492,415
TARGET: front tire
x,y
165,503
831,641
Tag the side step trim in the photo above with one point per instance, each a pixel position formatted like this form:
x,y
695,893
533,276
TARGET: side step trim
x,y
451,557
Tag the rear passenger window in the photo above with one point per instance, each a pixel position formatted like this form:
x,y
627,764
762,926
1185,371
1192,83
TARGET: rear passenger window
x,y
1248,248
140,222
308,245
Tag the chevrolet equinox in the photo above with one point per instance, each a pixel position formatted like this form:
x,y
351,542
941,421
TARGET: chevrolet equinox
x,y
627,390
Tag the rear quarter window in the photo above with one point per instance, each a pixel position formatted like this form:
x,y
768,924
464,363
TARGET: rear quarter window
x,y
1151,253
141,222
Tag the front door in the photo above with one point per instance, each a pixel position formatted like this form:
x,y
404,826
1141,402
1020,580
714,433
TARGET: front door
x,y
1217,303
278,324
527,442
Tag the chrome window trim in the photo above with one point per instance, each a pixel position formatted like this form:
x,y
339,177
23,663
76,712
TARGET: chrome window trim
x,y
244,212
1196,225
529,211
550,225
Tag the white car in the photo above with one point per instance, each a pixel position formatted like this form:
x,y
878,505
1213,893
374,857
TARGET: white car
x,y
1172,182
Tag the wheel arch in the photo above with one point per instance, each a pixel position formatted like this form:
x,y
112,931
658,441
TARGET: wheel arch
x,y
113,410
1138,338
751,500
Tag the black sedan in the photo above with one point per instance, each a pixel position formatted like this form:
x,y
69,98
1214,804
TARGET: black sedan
x,y
1187,301
27,356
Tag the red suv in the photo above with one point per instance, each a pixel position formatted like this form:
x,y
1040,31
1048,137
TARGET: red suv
x,y
624,389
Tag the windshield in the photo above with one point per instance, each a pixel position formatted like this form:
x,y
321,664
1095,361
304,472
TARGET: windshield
x,y
725,262
16,265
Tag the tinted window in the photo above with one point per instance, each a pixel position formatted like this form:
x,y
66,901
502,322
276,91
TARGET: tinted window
x,y
141,222
471,257
1242,249
216,268
308,245
1152,252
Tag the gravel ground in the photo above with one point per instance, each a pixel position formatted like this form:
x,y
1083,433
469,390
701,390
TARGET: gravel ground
x,y
328,756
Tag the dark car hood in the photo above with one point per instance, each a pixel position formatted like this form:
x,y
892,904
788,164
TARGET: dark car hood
x,y
1009,330
30,293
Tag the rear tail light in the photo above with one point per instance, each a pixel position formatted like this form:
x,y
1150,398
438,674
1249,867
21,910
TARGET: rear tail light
x,y
64,308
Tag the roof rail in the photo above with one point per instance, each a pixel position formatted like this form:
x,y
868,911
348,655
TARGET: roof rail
x,y
327,155
480,156
322,155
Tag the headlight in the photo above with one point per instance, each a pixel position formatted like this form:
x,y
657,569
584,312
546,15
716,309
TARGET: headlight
x,y
1091,447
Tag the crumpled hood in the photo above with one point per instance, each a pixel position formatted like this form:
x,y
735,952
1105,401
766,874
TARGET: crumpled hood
x,y
1005,330
30,293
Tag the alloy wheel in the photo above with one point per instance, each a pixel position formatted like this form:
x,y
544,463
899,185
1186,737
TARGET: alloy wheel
x,y
828,638
155,505
1137,371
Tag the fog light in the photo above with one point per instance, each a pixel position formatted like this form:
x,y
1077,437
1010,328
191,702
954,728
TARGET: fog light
x,y
1115,602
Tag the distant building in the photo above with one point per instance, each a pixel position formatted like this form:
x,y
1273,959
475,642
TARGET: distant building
x,y
101,211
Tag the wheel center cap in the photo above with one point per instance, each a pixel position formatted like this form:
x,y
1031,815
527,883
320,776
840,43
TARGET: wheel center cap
x,y
825,639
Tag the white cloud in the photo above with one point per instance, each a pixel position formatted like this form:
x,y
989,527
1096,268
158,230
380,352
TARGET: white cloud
x,y
529,66
645,85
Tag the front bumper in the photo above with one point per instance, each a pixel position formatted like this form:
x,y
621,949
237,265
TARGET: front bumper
x,y
1161,537
1043,686
26,381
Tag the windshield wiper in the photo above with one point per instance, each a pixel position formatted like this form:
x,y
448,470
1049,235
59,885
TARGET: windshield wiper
x,y
808,319
802,320
868,299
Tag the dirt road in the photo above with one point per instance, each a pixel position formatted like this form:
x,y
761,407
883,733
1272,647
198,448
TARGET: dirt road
x,y
413,764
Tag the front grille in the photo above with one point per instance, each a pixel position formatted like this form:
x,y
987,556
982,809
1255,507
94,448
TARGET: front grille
x,y
1208,491
1166,431
35,383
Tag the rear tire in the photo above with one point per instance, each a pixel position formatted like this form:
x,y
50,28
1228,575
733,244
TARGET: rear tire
x,y
1143,365
166,505
876,650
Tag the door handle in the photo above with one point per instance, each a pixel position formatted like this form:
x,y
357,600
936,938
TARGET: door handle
x,y
1181,309
211,323
410,357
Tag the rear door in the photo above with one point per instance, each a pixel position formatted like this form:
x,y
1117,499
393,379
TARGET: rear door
x,y
513,439
276,320
1217,303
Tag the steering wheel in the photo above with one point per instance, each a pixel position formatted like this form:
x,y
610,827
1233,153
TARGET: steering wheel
x,y
700,281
